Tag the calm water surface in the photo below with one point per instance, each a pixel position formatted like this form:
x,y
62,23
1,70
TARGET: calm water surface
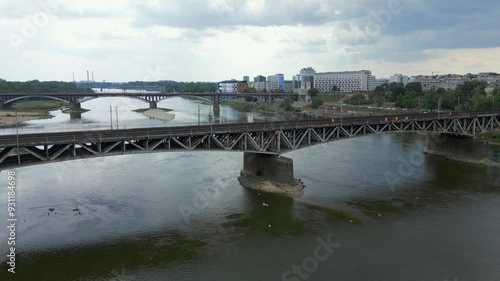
x,y
184,216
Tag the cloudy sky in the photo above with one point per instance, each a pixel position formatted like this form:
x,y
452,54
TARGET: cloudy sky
x,y
213,40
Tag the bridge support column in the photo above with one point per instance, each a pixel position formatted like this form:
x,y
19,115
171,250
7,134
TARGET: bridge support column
x,y
270,173
75,105
460,148
153,105
2,105
217,106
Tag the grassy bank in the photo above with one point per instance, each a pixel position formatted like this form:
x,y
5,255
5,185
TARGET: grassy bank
x,y
492,137
39,108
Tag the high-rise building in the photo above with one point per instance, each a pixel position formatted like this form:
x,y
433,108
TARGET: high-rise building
x,y
259,78
288,86
277,82
246,79
346,81
307,71
304,81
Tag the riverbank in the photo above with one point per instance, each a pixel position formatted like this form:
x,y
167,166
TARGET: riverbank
x,y
28,110
157,113
8,118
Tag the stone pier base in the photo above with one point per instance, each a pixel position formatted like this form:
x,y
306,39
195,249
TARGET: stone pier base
x,y
153,105
460,148
270,173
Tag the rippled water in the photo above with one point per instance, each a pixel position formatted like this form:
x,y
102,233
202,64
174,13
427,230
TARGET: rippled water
x,y
184,216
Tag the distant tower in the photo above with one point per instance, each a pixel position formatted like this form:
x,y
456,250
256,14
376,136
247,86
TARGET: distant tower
x,y
88,78
93,76
73,77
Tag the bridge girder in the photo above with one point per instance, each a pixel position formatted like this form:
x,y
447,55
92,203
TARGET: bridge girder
x,y
251,137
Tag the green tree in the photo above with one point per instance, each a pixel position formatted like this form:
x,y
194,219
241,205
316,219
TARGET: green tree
x,y
286,104
357,99
316,102
313,92
414,87
396,89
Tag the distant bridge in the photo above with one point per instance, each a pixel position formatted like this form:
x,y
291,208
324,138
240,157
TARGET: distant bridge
x,y
263,138
75,99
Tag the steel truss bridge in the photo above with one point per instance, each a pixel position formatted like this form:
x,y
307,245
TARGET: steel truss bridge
x,y
270,138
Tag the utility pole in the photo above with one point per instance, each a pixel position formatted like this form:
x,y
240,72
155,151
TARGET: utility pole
x,y
210,119
17,140
439,108
341,113
116,110
111,116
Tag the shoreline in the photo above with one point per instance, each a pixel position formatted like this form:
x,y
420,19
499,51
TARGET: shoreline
x,y
8,118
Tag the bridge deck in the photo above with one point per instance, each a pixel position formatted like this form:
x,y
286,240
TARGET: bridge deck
x,y
276,137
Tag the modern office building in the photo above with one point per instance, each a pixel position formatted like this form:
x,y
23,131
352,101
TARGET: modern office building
x,y
277,82
259,78
246,79
303,81
346,81
288,86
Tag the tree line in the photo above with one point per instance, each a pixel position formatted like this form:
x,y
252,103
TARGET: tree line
x,y
36,86
471,95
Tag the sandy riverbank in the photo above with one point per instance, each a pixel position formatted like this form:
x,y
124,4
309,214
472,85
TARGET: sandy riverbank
x,y
159,114
8,118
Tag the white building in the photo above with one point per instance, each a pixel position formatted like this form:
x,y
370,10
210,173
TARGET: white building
x,y
399,78
260,86
373,84
346,81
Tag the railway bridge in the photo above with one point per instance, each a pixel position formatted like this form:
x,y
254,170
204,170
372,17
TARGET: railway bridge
x,y
262,143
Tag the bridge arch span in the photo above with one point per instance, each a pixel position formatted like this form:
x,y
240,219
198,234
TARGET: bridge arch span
x,y
10,101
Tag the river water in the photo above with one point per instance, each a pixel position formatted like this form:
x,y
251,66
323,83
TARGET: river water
x,y
375,208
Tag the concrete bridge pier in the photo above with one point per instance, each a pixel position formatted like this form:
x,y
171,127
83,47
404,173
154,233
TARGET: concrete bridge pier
x,y
455,147
270,173
2,105
74,105
153,105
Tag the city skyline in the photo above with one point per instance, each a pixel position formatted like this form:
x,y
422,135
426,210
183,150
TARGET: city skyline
x,y
222,39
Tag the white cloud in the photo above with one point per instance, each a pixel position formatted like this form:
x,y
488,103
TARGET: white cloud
x,y
221,39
